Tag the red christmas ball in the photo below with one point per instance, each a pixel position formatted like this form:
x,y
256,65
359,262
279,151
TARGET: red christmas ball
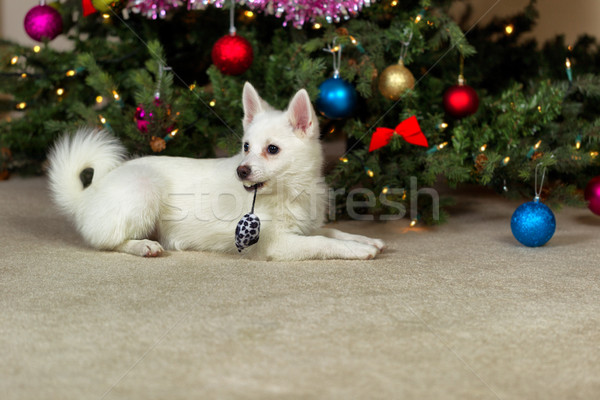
x,y
461,101
592,195
232,54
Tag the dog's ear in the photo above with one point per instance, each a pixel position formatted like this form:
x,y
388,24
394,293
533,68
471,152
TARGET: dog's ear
x,y
301,115
252,102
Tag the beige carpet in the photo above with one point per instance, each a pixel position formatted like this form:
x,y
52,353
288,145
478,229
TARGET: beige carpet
x,y
457,312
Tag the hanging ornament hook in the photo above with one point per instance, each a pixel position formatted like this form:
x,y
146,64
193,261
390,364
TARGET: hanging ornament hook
x,y
404,49
232,29
336,52
461,74
538,192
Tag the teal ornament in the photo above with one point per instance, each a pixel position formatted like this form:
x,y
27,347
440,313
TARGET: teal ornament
x,y
337,98
533,223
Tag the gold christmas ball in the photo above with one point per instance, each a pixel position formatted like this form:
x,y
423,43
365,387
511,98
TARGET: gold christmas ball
x,y
394,80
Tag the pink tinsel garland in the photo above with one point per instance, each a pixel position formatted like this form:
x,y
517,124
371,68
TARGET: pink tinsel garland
x,y
296,12
154,8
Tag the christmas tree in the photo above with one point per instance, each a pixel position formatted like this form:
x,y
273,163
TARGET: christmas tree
x,y
166,78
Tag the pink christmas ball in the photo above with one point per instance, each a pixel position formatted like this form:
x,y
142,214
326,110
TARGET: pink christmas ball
x,y
592,195
43,22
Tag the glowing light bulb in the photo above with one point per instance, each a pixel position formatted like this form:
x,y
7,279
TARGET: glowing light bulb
x,y
22,106
71,72
506,160
60,91
14,60
99,99
249,14
36,49
568,69
509,29
116,95
212,103
413,223
482,148
344,159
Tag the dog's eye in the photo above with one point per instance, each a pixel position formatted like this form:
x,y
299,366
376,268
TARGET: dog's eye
x,y
272,149
246,147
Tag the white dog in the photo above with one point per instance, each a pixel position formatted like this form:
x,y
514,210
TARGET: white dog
x,y
148,204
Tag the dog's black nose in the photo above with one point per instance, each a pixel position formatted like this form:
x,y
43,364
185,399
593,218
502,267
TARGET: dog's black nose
x,y
243,171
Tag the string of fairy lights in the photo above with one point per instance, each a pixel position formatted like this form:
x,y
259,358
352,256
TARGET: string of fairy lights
x,y
114,95
508,29
100,99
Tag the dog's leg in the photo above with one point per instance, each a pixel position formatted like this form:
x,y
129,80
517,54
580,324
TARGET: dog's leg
x,y
144,248
337,234
297,247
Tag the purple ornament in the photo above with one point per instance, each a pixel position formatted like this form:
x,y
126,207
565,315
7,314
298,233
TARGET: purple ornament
x,y
592,195
142,118
142,126
43,22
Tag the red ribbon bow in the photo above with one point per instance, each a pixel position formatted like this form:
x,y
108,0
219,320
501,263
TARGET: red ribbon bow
x,y
88,7
409,129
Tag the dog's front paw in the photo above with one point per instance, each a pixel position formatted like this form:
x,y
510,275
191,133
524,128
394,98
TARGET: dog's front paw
x,y
146,248
152,249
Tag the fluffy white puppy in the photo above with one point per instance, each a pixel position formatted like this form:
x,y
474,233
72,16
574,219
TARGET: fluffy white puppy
x,y
144,205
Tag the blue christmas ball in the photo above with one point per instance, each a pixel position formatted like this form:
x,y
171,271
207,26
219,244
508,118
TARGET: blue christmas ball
x,y
337,98
533,223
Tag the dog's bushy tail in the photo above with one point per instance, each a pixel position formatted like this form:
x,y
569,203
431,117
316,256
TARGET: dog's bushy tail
x,y
76,161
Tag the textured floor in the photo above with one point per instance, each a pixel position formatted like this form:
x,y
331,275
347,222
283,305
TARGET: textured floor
x,y
457,312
